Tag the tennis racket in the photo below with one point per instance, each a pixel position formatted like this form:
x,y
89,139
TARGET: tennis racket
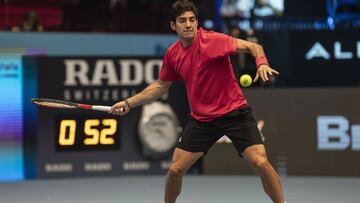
x,y
59,104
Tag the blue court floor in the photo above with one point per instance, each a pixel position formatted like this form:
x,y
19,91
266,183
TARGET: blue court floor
x,y
196,189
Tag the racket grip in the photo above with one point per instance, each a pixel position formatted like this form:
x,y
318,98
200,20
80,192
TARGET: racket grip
x,y
101,108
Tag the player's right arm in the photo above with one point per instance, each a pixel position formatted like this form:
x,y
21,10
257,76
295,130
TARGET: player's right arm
x,y
152,92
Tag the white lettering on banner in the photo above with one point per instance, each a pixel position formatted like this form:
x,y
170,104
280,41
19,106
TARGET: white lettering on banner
x,y
332,133
97,166
355,133
126,72
136,165
103,95
104,69
77,72
71,73
319,51
326,132
58,167
339,54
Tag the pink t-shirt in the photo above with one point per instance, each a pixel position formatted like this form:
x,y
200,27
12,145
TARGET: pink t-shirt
x,y
208,75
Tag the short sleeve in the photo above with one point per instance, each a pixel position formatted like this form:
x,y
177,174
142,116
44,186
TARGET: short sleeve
x,y
167,73
219,44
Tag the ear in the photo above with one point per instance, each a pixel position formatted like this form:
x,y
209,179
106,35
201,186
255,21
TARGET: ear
x,y
172,25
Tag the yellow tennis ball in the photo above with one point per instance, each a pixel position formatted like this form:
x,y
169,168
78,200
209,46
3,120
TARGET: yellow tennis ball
x,y
245,80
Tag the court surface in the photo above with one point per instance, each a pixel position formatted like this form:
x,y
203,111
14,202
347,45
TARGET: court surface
x,y
197,189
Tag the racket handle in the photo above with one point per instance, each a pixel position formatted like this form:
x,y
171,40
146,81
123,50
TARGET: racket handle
x,y
101,108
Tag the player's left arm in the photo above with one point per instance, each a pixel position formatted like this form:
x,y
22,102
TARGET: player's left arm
x,y
257,51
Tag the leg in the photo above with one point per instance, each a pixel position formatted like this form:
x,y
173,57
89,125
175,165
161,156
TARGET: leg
x,y
256,157
182,160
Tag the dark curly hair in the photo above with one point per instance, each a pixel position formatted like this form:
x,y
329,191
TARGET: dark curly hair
x,y
181,6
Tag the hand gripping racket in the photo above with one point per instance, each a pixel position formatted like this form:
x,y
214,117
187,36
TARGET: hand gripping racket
x,y
52,103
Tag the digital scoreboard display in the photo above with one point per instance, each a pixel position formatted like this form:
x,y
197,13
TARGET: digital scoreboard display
x,y
84,133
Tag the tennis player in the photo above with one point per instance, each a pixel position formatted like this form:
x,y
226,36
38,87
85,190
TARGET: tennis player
x,y
201,60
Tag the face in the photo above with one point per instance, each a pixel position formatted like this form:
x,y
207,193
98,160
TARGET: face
x,y
185,25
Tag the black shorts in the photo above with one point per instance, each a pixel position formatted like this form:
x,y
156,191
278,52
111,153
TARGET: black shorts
x,y
239,126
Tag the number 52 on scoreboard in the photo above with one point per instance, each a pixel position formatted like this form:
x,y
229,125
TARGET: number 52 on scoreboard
x,y
79,134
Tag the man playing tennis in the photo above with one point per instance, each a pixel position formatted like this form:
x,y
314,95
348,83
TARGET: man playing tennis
x,y
218,107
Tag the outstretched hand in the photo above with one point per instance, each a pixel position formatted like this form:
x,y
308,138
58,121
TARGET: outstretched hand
x,y
263,72
120,108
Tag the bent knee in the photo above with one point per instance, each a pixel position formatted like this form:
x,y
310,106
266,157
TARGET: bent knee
x,y
176,170
260,164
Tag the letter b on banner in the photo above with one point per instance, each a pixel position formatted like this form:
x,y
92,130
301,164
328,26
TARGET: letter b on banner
x,y
333,133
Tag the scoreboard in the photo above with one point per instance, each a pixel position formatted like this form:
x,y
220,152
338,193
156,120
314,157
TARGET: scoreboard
x,y
68,143
84,133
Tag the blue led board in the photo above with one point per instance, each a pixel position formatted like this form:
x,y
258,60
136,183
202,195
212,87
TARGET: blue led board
x,y
11,120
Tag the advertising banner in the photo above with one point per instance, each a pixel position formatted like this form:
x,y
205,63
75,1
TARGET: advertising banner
x,y
324,58
86,143
308,131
